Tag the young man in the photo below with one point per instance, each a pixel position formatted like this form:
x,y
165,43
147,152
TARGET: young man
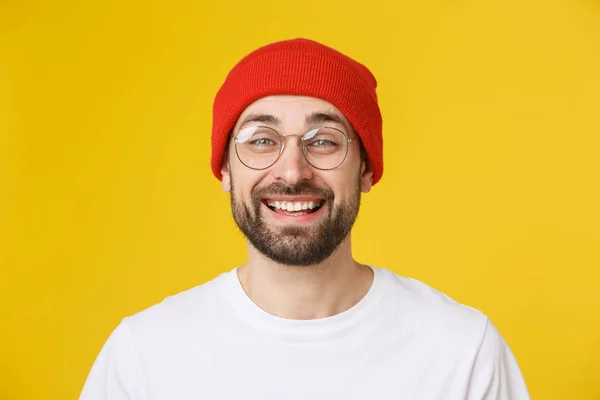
x,y
296,139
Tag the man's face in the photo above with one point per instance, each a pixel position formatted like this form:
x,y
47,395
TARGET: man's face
x,y
265,202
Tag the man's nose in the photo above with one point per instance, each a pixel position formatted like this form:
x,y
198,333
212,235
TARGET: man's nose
x,y
292,167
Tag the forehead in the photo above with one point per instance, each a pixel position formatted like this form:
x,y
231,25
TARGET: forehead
x,y
289,108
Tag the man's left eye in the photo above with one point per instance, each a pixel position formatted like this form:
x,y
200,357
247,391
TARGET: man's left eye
x,y
323,143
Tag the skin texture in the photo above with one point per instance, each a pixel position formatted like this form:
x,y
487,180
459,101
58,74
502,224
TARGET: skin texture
x,y
299,268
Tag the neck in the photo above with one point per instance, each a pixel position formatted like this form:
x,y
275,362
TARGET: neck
x,y
311,292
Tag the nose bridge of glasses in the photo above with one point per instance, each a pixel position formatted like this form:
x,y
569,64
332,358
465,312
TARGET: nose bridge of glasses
x,y
297,153
299,141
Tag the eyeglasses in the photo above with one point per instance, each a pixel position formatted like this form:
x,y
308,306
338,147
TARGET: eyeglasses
x,y
259,147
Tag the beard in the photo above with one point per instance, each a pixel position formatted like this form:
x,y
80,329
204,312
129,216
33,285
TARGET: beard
x,y
296,245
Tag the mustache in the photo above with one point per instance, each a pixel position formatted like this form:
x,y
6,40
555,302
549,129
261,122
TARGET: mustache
x,y
304,188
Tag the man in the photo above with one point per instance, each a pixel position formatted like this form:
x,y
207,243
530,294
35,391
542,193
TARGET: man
x,y
296,139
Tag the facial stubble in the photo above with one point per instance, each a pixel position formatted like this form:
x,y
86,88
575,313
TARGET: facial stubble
x,y
296,245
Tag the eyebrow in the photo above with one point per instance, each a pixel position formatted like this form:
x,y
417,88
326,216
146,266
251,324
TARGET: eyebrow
x,y
320,117
311,119
262,118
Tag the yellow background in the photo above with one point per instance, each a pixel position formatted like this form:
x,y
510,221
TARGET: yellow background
x,y
107,203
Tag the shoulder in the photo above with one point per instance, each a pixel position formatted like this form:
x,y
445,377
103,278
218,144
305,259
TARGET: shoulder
x,y
179,313
435,315
456,336
431,303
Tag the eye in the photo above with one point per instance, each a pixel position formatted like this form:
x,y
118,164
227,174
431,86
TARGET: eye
x,y
262,142
323,143
324,140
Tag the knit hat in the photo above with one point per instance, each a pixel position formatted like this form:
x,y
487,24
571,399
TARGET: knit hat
x,y
305,68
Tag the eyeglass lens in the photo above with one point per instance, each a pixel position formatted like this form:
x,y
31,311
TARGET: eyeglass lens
x,y
259,147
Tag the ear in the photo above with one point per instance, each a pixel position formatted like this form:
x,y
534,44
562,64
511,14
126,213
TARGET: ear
x,y
366,175
226,174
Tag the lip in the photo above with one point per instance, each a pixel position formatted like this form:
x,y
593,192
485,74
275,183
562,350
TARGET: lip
x,y
299,219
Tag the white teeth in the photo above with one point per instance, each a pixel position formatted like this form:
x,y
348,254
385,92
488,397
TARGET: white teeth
x,y
296,214
297,206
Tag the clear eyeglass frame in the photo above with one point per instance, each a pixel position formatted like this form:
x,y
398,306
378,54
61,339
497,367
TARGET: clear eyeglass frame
x,y
348,140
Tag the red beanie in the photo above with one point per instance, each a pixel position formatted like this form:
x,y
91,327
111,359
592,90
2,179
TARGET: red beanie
x,y
305,68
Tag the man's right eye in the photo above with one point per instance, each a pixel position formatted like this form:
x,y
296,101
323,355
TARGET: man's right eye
x,y
262,142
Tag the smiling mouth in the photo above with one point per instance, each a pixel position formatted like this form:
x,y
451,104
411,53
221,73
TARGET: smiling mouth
x,y
294,208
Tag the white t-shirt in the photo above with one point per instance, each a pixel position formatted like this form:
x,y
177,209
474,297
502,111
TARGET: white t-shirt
x,y
403,340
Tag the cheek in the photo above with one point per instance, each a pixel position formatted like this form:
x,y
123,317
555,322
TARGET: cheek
x,y
343,183
243,181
